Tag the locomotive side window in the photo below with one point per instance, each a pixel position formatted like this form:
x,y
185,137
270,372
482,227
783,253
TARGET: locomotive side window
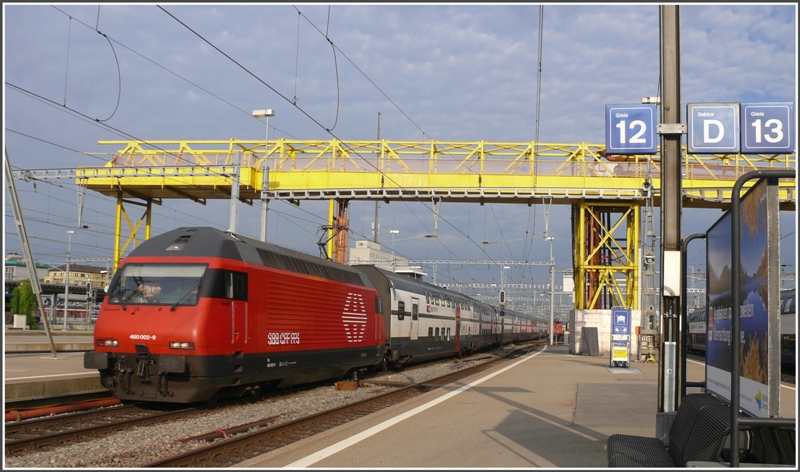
x,y
378,305
228,284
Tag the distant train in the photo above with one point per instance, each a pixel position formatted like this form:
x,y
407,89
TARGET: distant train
x,y
196,314
697,321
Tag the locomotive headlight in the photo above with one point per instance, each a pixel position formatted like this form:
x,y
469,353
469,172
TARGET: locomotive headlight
x,y
180,345
108,342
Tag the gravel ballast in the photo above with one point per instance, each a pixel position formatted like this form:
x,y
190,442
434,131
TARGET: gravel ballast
x,y
145,444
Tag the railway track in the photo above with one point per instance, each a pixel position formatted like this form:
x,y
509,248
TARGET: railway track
x,y
53,431
228,452
42,433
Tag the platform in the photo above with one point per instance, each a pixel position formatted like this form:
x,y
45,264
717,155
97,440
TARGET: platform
x,y
547,409
37,341
32,373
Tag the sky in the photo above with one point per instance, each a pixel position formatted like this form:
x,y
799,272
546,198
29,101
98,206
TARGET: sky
x,y
76,74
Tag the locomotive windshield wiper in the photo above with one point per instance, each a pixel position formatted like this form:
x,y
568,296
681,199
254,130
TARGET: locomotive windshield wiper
x,y
189,292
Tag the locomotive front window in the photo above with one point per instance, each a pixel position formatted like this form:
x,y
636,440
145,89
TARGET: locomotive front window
x,y
156,284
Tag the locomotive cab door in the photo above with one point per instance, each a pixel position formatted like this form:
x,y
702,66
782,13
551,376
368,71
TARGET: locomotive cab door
x,y
414,319
236,291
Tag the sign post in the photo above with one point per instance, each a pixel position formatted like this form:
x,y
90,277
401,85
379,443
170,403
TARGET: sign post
x,y
620,337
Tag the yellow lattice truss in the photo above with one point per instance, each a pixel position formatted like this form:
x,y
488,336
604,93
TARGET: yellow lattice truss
x,y
485,172
606,238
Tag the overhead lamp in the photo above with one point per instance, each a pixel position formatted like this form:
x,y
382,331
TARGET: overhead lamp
x,y
264,113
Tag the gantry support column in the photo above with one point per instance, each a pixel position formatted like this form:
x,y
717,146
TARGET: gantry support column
x,y
119,247
605,258
338,227
342,228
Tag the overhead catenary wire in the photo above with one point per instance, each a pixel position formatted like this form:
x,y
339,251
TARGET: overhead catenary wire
x,y
344,55
314,120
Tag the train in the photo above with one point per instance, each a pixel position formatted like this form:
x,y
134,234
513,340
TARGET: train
x,y
197,314
697,324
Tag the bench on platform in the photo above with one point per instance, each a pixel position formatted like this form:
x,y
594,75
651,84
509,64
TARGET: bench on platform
x,y
700,435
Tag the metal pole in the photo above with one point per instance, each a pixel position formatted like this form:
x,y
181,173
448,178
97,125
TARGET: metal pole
x,y
26,248
552,287
671,194
377,204
264,188
394,231
66,279
234,216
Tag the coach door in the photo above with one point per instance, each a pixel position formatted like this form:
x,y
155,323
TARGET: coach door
x,y
414,319
458,325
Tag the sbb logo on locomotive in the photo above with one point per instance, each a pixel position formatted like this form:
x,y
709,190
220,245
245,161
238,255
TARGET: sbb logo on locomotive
x,y
283,338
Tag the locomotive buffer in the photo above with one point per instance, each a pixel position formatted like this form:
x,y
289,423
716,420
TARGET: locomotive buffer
x,y
620,337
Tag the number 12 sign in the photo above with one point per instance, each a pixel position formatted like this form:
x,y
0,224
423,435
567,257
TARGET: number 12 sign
x,y
630,129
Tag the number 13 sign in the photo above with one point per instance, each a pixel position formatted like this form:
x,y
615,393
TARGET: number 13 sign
x,y
630,129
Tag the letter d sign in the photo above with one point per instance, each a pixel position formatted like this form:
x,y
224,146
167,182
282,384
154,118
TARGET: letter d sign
x,y
712,127
717,128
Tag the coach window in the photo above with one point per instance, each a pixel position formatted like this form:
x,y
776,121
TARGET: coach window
x,y
788,305
437,333
427,297
414,311
436,297
448,334
401,310
430,333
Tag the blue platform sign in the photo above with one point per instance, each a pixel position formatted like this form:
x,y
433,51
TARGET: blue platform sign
x,y
712,127
631,129
621,321
768,127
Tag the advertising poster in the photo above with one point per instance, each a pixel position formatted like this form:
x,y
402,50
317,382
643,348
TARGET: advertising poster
x,y
754,297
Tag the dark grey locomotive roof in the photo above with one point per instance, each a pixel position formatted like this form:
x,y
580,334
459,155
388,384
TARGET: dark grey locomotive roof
x,y
211,242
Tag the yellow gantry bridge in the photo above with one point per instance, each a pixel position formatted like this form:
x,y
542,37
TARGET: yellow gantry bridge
x,y
606,192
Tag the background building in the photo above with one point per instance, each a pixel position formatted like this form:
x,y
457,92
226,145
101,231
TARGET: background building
x,y
16,268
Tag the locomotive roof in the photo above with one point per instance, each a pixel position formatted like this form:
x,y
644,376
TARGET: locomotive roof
x,y
212,242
